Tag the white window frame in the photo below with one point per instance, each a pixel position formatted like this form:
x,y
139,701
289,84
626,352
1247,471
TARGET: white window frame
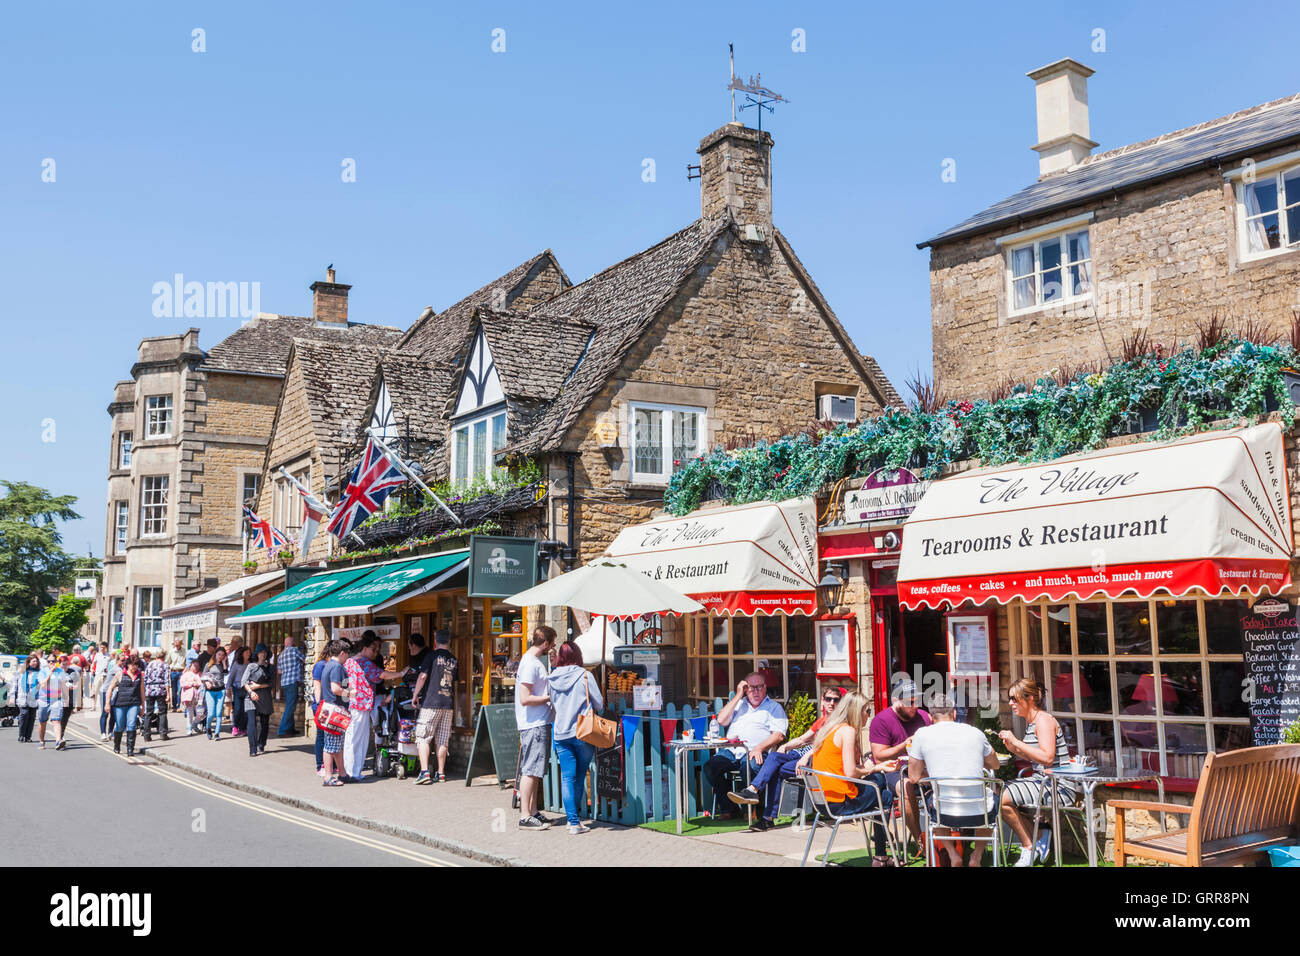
x,y
141,618
665,437
121,526
151,500
244,476
1278,173
158,411
124,449
1036,243
473,465
116,621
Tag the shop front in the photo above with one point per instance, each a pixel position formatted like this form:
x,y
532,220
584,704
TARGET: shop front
x,y
1125,581
206,615
754,568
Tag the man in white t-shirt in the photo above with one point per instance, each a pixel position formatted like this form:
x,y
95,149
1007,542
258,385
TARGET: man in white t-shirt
x,y
760,724
533,718
947,749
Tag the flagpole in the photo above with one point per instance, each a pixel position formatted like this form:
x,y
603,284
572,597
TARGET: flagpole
x,y
402,467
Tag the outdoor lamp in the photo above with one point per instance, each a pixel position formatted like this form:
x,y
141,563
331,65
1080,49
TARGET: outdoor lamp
x,y
831,587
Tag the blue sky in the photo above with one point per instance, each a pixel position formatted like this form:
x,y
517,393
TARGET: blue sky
x,y
225,165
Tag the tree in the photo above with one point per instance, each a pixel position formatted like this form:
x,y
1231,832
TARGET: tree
x,y
60,623
32,562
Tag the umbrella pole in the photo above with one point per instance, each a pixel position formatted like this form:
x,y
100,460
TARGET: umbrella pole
x,y
604,626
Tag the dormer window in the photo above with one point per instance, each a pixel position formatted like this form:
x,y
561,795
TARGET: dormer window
x,y
474,444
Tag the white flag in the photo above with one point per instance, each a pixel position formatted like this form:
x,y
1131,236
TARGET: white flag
x,y
313,512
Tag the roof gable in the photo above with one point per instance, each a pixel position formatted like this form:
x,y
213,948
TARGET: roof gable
x,y
480,385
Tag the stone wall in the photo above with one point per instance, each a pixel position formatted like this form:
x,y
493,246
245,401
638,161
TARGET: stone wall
x,y
1164,256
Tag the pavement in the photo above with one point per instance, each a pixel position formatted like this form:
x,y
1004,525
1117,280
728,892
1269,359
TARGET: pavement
x,y
474,823
157,816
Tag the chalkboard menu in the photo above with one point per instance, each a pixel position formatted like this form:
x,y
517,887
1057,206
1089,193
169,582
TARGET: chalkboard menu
x,y
1271,643
609,770
496,737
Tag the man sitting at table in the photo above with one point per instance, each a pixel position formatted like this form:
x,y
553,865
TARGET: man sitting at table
x,y
780,765
759,723
890,734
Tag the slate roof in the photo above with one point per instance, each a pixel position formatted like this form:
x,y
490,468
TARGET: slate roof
x,y
420,389
534,354
442,335
1215,142
261,345
338,383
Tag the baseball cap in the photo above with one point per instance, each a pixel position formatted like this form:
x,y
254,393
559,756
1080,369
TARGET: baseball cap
x,y
905,690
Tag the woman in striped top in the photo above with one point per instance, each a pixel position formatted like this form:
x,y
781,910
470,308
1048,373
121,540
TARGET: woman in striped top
x,y
1024,796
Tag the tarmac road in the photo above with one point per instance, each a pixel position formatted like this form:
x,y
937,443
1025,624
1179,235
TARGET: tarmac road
x,y
86,806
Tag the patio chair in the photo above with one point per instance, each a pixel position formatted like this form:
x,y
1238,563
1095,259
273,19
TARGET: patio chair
x,y
734,775
1068,813
934,790
879,815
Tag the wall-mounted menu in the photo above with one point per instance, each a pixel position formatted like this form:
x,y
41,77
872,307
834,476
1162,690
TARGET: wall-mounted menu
x,y
1271,644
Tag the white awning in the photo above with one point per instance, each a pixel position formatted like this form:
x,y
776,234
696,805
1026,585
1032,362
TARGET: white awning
x,y
202,608
747,559
1210,514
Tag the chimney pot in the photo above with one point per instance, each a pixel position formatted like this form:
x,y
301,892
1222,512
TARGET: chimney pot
x,y
330,301
1061,91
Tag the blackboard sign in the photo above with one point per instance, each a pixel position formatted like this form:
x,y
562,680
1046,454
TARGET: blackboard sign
x,y
1271,644
609,770
496,739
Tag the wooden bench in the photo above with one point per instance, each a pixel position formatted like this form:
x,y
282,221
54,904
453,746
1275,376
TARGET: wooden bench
x,y
1246,801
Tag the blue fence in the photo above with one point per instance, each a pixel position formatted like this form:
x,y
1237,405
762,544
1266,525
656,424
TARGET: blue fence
x,y
649,791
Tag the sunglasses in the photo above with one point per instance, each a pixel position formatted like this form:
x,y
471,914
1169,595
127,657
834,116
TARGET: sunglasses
x,y
831,699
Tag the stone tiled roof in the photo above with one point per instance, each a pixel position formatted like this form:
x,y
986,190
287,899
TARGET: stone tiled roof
x,y
534,354
261,345
1219,141
338,384
442,335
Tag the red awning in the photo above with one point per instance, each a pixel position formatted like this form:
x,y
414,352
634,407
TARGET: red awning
x,y
1209,514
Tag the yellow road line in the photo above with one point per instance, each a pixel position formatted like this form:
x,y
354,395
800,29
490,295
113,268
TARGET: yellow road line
x,y
168,774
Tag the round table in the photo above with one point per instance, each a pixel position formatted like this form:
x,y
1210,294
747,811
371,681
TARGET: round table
x,y
1089,782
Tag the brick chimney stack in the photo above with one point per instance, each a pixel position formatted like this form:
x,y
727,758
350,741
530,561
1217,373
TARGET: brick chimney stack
x,y
1062,93
736,174
330,300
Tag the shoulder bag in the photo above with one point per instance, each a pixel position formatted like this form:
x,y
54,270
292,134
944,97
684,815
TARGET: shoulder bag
x,y
332,718
600,732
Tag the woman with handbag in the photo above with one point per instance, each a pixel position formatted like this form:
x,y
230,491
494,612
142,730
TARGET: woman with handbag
x,y
575,695
192,697
332,717
214,689
259,680
25,696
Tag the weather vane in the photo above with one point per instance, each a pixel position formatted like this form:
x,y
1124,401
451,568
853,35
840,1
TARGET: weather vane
x,y
756,94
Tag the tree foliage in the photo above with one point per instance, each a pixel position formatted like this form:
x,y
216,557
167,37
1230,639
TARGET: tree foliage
x,y
32,561
60,623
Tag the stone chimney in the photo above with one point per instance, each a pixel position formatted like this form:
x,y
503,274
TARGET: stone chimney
x,y
1062,91
736,174
329,301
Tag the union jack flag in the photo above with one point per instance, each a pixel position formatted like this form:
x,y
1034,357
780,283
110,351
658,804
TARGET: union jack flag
x,y
372,481
265,534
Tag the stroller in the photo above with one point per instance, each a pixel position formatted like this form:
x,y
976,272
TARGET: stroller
x,y
395,750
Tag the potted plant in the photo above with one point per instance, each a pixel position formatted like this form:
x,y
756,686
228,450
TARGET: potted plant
x,y
285,557
250,567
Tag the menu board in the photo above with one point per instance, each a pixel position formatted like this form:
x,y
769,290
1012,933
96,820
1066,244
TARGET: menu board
x,y
1271,644
609,771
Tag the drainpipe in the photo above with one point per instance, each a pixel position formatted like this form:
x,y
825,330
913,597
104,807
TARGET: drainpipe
x,y
571,553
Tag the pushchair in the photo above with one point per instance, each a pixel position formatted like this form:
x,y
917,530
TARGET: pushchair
x,y
395,749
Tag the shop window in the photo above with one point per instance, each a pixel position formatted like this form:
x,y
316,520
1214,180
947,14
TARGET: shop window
x,y
1227,689
703,686
1185,681
1135,736
1099,741
1136,695
1177,628
742,637
802,680
1090,628
1223,626
1231,737
799,636
1034,630
1185,749
769,635
1061,696
1094,688
1059,639
1132,628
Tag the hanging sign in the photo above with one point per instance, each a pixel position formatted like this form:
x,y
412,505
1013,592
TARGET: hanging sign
x,y
888,494
500,567
1271,646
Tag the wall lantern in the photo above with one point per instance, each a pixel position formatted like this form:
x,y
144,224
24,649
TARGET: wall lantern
x,y
831,587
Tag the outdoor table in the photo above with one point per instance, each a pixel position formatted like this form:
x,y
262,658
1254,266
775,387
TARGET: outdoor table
x,y
683,747
1088,781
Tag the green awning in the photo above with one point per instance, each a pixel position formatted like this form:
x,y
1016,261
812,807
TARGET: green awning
x,y
385,584
316,586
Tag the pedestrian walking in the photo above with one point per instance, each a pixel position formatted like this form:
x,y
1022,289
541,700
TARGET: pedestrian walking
x,y
99,676
289,663
437,682
71,685
191,695
533,718
27,696
259,684
214,690
49,696
175,668
238,657
333,677
363,675
157,691
573,692
317,670
126,695
112,668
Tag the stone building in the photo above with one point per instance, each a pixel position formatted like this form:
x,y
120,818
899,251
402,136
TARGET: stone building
x,y
1146,239
188,442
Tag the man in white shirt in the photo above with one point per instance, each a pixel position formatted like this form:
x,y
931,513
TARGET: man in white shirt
x,y
533,718
760,724
947,749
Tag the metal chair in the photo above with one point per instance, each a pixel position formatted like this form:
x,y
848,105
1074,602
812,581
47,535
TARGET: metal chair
x,y
932,793
1067,812
879,815
735,775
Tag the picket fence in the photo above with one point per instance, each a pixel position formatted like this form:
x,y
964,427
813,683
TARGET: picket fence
x,y
649,771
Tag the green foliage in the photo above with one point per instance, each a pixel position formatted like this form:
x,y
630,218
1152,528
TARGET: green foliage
x,y
990,725
802,712
1187,390
521,475
60,623
32,563
487,527
1292,734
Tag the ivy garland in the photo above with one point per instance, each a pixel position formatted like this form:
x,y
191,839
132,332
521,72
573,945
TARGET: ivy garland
x,y
1186,391
487,527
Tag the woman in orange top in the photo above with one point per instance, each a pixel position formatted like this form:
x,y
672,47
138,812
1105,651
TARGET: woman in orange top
x,y
837,749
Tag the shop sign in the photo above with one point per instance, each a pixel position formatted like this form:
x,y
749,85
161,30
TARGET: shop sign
x,y
500,567
888,494
1271,646
385,632
192,621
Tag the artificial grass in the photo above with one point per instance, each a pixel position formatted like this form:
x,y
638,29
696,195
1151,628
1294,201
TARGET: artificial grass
x,y
862,858
706,826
